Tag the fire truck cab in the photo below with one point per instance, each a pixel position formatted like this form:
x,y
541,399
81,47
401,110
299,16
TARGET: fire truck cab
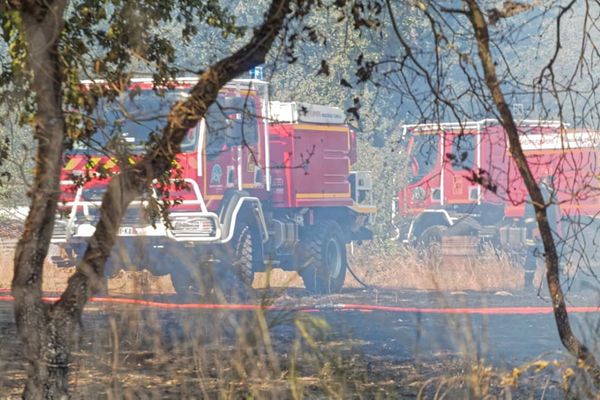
x,y
259,184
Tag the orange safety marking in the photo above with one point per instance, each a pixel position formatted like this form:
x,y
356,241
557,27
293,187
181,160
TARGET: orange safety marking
x,y
313,127
109,164
364,209
73,162
93,162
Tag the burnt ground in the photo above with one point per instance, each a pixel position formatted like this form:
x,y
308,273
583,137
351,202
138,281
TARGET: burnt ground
x,y
131,351
143,352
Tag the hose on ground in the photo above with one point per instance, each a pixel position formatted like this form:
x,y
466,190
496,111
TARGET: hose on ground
x,y
518,310
360,281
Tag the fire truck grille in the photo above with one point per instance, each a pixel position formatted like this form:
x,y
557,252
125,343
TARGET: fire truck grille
x,y
60,230
133,216
136,216
194,227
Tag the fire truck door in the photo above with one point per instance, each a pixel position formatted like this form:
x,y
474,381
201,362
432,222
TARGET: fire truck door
x,y
249,157
425,153
461,159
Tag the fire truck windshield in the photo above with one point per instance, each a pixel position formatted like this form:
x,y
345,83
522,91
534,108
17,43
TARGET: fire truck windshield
x,y
231,121
423,155
130,121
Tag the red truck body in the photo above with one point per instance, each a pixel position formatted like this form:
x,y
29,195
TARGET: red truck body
x,y
472,174
314,165
278,173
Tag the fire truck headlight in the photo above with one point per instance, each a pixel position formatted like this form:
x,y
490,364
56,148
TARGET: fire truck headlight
x,y
85,230
418,194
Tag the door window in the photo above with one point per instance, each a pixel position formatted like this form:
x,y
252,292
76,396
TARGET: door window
x,y
463,152
424,155
230,122
241,111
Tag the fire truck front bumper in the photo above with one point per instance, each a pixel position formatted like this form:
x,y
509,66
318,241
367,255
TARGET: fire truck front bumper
x,y
182,227
79,224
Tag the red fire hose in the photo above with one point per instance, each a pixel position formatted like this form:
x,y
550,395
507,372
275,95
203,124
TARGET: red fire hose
x,y
326,307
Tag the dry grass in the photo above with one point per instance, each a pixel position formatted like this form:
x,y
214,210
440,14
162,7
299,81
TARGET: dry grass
x,y
134,353
55,279
398,267
407,268
277,278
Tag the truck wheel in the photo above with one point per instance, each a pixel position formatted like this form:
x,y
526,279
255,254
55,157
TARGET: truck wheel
x,y
322,258
429,243
235,275
431,236
200,284
190,284
182,282
243,262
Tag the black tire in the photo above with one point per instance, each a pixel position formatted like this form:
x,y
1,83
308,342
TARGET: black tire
x,y
429,243
191,285
231,278
431,235
182,282
243,244
181,265
235,275
321,258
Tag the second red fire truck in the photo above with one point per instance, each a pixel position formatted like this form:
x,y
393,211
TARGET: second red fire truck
x,y
463,181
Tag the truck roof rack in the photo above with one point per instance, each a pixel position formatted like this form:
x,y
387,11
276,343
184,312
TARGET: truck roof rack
x,y
294,112
486,122
185,79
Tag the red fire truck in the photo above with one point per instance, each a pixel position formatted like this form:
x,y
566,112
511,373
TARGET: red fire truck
x,y
266,184
464,181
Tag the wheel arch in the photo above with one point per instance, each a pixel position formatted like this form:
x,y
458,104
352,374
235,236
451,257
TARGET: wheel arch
x,y
239,206
427,219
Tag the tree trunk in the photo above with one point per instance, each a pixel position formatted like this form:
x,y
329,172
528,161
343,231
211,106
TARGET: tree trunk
x,y
568,338
41,27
